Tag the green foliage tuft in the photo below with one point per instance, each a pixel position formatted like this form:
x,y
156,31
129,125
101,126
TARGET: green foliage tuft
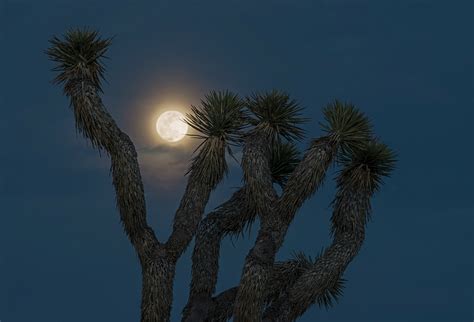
x,y
301,260
276,114
331,290
220,120
220,115
209,165
346,126
331,294
285,157
79,56
365,168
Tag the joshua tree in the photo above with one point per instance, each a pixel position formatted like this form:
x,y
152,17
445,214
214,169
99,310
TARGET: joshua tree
x,y
266,126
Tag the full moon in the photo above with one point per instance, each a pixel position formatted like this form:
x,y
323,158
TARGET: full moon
x,y
171,126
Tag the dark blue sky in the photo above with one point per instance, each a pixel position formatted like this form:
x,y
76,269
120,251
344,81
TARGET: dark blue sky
x,y
406,64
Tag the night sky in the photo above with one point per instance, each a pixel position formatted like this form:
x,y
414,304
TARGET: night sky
x,y
407,64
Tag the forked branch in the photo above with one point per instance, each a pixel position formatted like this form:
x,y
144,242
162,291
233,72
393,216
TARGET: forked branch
x,y
269,291
78,59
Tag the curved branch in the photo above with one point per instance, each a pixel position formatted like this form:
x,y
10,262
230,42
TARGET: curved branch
x,y
78,61
230,217
274,222
78,57
187,217
302,184
261,195
226,219
297,284
97,125
360,178
221,118
321,152
322,282
304,181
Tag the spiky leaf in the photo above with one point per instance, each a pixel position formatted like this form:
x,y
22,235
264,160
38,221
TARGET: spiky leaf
x,y
285,157
294,267
209,165
346,126
276,114
79,56
220,115
331,294
365,168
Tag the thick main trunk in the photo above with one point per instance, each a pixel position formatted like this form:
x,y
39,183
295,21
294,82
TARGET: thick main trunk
x,y
157,290
257,271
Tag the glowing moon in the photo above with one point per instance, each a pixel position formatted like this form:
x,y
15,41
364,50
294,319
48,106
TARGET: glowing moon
x,y
171,126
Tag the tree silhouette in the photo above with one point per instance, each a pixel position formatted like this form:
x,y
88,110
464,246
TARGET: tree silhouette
x,y
266,125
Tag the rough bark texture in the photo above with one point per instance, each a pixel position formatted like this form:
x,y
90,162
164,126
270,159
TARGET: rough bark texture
x,y
187,217
229,218
297,284
158,260
257,175
321,282
274,220
96,124
267,290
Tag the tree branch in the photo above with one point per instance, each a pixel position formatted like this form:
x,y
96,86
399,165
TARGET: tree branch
x,y
230,217
97,125
296,284
261,195
220,119
78,57
304,181
322,281
80,70
187,217
287,289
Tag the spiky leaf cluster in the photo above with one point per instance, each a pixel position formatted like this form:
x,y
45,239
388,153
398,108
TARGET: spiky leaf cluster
x,y
284,159
220,119
331,294
79,56
285,273
276,114
349,128
221,115
365,168
329,291
209,165
295,266
300,264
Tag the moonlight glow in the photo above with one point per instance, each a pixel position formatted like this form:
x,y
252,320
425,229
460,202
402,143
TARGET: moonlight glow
x,y
171,126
